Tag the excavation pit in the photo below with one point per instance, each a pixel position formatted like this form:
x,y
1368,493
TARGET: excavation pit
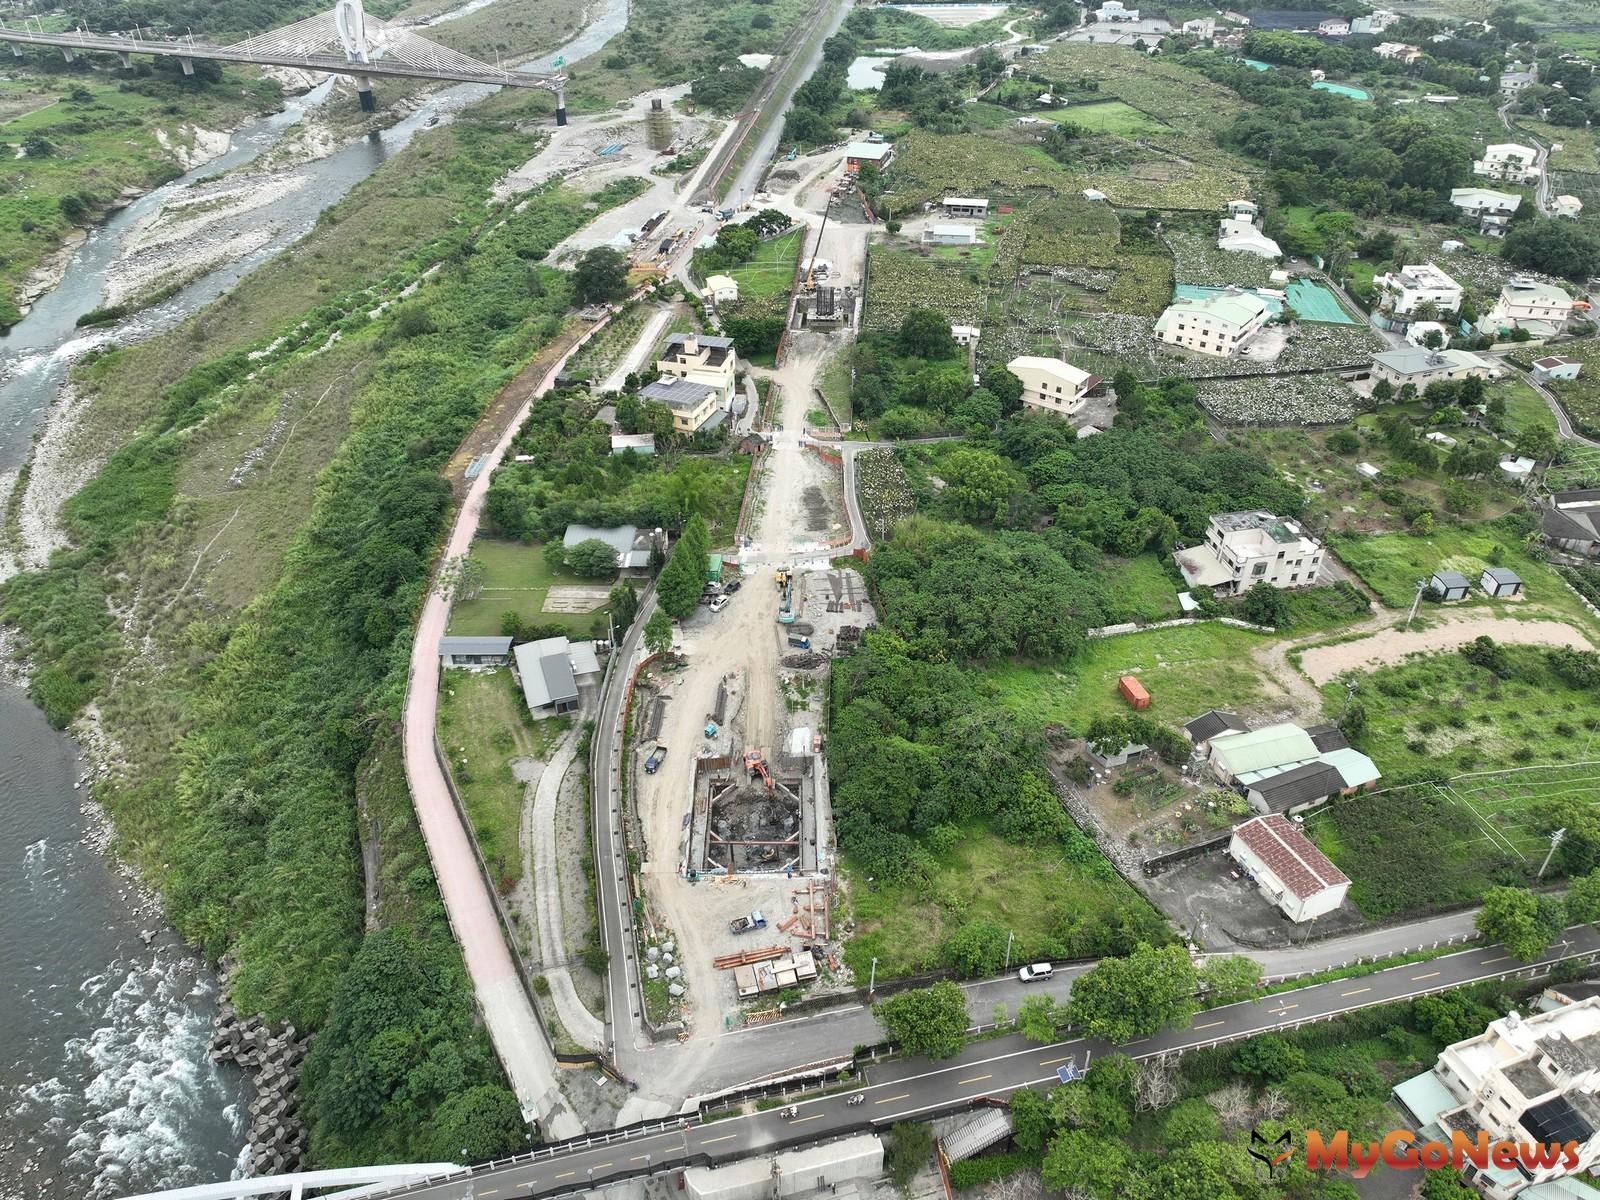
x,y
750,820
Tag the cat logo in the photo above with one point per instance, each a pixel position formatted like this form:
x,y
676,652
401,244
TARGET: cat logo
x,y
1271,1154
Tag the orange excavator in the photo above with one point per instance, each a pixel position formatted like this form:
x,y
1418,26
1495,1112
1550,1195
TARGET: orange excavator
x,y
757,765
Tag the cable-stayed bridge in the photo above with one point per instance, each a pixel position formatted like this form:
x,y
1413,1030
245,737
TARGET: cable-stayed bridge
x,y
345,41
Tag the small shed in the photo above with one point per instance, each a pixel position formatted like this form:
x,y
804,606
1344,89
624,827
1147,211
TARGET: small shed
x,y
1133,692
950,235
722,288
1449,585
1367,469
1517,469
1555,366
713,568
1500,581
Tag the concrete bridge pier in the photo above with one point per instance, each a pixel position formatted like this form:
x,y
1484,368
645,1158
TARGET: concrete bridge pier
x,y
187,64
561,106
127,59
16,50
66,53
364,90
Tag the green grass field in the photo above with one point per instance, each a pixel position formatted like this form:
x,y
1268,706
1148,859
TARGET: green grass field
x,y
1392,563
1052,905
771,271
1186,670
483,725
1112,116
516,578
1142,588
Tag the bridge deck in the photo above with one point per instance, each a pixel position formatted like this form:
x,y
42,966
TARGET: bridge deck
x,y
330,63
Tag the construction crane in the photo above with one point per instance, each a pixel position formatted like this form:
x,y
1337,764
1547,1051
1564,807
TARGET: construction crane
x,y
756,765
812,265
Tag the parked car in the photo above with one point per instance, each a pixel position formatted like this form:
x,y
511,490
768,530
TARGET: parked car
x,y
1035,971
720,603
732,586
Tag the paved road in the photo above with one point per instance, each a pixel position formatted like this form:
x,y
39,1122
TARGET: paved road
x,y
551,897
624,1033
513,1026
1541,192
915,1087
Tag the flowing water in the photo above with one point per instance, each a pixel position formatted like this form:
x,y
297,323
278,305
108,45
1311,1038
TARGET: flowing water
x,y
104,1079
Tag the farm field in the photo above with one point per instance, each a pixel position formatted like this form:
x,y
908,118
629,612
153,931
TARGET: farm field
x,y
1057,909
517,579
1414,849
1113,116
1187,670
771,271
1581,396
1392,563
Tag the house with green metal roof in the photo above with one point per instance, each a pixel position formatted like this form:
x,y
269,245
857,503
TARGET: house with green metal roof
x,y
1235,754
1216,325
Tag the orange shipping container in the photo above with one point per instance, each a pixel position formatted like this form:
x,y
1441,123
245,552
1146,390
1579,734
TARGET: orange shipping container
x,y
1133,692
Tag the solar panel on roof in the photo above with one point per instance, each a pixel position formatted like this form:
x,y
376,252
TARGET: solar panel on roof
x,y
1557,1121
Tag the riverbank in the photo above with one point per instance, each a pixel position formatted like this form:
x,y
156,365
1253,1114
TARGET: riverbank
x,y
93,145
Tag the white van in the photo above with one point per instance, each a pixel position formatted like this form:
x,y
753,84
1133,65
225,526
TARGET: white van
x,y
1035,971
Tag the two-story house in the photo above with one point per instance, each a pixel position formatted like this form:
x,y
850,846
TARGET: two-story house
x,y
1051,384
1508,161
1217,325
1525,1079
1420,283
1243,549
1491,209
1540,308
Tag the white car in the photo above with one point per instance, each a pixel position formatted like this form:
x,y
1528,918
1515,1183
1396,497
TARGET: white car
x,y
720,603
1035,971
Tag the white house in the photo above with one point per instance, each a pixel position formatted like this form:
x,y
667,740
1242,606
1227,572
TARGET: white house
x,y
1528,304
1525,1079
1513,82
1216,325
1051,384
1201,27
1417,332
1567,206
1508,161
1398,51
1555,366
632,545
950,235
969,207
722,288
965,335
1112,10
1421,283
1492,209
1243,549
1287,869
1243,210
1333,27
1237,234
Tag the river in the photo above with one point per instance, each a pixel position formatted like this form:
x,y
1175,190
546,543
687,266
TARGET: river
x,y
104,1077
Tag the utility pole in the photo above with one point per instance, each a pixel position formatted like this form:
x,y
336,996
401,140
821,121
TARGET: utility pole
x,y
1416,602
1555,840
1010,937
872,981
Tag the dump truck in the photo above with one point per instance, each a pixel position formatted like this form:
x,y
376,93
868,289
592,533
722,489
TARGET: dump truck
x,y
745,924
654,761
